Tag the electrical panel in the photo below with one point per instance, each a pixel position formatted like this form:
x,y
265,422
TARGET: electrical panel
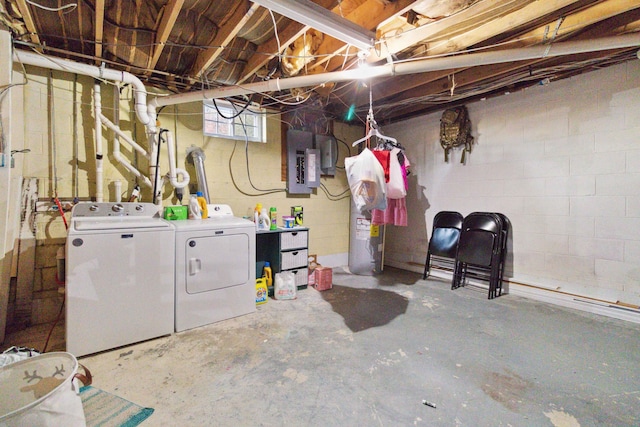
x,y
298,142
313,167
328,147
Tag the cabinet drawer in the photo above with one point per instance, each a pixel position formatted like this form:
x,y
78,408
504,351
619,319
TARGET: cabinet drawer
x,y
293,240
293,259
301,276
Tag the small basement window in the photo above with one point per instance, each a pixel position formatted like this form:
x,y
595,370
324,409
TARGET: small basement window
x,y
250,124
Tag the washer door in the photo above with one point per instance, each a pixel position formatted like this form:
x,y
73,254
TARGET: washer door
x,y
216,262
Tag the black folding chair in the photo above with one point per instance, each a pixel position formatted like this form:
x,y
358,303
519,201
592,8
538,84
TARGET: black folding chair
x,y
479,253
506,226
444,239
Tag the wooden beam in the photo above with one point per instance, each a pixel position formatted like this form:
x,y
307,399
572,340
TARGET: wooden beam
x,y
99,27
571,24
452,34
577,21
486,74
497,26
169,16
268,50
226,34
28,21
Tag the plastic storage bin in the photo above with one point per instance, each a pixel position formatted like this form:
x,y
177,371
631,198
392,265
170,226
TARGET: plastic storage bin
x,y
41,391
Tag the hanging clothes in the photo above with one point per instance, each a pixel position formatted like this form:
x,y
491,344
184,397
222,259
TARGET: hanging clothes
x,y
397,187
394,214
365,176
383,157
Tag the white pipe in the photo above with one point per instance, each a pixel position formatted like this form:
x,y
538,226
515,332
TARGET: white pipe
x,y
173,170
117,185
139,91
108,123
413,67
118,157
97,105
100,118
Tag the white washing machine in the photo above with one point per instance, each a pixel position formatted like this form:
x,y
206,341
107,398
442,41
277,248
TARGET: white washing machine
x,y
119,276
215,268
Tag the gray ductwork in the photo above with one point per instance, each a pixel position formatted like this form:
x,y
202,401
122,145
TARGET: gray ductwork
x,y
196,156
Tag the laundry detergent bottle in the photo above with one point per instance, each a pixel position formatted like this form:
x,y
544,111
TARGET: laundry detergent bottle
x,y
268,274
202,202
256,215
264,223
194,208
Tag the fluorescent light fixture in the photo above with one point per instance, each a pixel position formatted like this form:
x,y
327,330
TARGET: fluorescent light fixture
x,y
308,13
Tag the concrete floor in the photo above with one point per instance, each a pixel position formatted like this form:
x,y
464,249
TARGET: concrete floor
x,y
372,349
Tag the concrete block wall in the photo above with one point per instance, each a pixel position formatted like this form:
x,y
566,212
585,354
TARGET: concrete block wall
x,y
562,161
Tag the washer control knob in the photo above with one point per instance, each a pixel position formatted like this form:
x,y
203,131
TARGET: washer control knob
x,y
139,208
93,208
117,207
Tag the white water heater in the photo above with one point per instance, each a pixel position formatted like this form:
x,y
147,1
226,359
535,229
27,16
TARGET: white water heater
x,y
366,244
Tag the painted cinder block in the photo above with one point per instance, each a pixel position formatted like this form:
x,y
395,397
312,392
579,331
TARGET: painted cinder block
x,y
597,163
607,206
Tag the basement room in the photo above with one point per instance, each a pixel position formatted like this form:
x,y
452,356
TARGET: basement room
x,y
320,213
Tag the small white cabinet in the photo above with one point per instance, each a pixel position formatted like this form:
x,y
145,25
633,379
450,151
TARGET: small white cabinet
x,y
286,249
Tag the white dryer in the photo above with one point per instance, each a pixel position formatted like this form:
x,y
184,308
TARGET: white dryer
x,y
215,268
119,276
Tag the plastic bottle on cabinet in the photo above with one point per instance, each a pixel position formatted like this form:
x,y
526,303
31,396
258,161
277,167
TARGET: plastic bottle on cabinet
x,y
256,215
194,208
202,202
273,217
268,274
264,223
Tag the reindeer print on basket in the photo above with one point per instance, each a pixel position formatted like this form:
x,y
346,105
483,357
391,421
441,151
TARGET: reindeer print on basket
x,y
44,385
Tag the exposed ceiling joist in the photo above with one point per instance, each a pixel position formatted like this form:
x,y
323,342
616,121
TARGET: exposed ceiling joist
x,y
232,25
99,27
269,50
28,21
189,45
169,17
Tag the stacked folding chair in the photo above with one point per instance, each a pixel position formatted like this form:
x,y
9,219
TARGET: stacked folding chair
x,y
443,244
482,250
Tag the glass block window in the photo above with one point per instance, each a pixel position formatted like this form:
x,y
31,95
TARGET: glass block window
x,y
251,123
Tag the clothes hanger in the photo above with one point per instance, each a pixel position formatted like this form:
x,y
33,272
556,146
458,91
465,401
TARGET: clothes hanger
x,y
373,127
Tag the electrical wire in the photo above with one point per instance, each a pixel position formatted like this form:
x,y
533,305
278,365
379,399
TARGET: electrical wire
x,y
275,31
238,113
71,6
235,184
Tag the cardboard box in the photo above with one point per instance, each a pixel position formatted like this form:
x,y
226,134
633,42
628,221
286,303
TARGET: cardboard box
x,y
324,278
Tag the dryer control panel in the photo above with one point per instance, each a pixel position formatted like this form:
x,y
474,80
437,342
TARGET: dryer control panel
x,y
118,209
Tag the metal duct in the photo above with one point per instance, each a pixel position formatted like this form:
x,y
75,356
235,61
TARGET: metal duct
x,y
196,155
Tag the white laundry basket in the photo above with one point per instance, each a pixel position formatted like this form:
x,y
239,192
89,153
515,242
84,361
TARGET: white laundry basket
x,y
41,391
